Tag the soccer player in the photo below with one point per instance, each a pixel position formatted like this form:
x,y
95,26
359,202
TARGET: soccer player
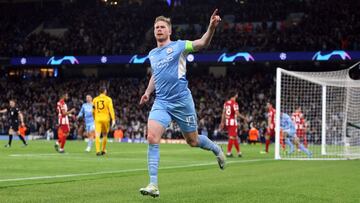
x,y
229,120
103,113
253,134
300,124
289,132
270,130
86,112
173,98
14,116
63,122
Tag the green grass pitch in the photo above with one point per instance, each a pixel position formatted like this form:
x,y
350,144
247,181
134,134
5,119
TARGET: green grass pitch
x,y
38,174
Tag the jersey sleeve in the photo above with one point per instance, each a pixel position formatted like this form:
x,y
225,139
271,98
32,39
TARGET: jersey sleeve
x,y
94,108
189,46
185,46
111,110
236,106
61,108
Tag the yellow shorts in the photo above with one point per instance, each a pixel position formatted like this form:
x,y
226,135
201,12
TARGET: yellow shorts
x,y
102,126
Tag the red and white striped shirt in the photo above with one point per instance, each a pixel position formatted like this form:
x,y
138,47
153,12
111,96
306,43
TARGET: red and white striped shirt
x,y
271,118
63,119
298,119
231,107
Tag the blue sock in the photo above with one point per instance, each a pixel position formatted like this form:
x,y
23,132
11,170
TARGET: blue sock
x,y
304,149
90,142
205,143
153,162
288,142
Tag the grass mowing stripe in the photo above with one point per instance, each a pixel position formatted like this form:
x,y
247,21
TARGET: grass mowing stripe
x,y
123,171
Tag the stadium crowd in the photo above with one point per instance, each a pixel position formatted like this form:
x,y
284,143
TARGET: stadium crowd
x,y
37,100
96,29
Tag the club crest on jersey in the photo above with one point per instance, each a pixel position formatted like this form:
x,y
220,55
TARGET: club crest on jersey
x,y
169,50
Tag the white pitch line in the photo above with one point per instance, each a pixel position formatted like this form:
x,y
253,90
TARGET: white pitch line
x,y
86,158
123,171
36,155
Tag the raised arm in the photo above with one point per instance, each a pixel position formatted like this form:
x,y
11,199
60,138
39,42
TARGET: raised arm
x,y
3,111
205,40
150,88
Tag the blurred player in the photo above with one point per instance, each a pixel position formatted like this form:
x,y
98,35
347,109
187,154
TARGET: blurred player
x,y
229,121
22,130
300,124
253,134
63,122
173,98
270,130
289,132
103,114
86,111
14,116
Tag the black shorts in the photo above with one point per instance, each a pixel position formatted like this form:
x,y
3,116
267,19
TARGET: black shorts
x,y
14,126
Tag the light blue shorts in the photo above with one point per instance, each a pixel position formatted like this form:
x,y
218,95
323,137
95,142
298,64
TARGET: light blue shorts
x,y
90,127
182,112
291,133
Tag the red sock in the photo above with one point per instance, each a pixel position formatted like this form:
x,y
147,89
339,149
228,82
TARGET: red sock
x,y
305,141
229,147
267,143
282,144
59,136
237,146
63,141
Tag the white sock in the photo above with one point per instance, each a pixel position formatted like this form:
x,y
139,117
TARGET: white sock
x,y
90,143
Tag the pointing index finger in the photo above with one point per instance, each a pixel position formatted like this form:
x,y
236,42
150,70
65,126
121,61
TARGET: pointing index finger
x,y
214,13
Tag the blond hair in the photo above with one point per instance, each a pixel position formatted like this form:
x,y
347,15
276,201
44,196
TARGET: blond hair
x,y
164,19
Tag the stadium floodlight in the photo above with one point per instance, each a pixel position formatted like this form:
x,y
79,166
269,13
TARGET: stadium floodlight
x,y
330,103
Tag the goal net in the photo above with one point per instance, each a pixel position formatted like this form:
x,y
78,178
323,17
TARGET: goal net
x,y
330,105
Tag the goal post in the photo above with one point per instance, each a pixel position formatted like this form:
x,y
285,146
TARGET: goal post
x,y
330,105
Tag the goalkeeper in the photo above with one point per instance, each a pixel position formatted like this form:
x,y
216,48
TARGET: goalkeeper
x,y
289,133
103,112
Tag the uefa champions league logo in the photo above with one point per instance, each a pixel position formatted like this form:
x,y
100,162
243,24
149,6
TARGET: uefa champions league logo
x,y
325,57
136,59
71,59
244,55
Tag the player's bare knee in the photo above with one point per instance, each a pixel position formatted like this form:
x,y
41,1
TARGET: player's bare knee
x,y
152,139
192,142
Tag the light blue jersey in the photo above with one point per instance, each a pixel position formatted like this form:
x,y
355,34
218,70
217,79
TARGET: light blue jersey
x,y
168,64
287,125
87,112
173,98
